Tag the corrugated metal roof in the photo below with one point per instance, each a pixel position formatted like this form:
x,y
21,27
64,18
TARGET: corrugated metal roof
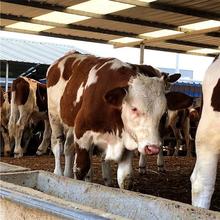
x,y
32,52
133,21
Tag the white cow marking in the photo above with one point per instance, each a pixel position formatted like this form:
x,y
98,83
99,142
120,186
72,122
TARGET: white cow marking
x,y
92,78
79,94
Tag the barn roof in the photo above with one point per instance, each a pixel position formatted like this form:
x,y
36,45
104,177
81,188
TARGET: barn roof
x,y
32,52
182,26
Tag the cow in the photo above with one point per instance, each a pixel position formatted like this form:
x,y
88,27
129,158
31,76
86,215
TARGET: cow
x,y
170,120
207,139
103,102
28,104
4,118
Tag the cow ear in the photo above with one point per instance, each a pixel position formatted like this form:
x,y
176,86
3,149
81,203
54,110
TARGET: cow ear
x,y
173,78
115,96
177,100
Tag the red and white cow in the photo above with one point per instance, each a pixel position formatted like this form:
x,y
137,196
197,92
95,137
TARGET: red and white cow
x,y
207,139
103,101
28,104
4,118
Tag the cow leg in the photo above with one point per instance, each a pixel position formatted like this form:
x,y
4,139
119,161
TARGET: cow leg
x,y
106,172
42,149
160,161
124,172
69,154
81,163
178,137
142,164
89,175
14,114
26,137
204,176
57,148
56,142
186,133
7,147
20,125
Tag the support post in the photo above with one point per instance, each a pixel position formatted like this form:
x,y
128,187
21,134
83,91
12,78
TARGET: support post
x,y
142,46
177,63
6,76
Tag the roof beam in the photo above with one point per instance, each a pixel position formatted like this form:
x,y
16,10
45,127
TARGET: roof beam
x,y
192,44
176,36
47,34
110,17
98,30
214,34
69,26
174,8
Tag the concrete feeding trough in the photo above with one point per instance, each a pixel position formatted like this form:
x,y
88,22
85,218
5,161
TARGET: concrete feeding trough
x,y
45,194
8,168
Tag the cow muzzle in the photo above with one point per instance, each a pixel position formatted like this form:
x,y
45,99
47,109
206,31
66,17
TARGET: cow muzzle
x,y
152,149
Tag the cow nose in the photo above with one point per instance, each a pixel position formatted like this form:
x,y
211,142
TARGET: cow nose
x,y
152,149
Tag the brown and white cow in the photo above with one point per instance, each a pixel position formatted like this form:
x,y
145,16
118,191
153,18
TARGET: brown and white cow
x,y
103,101
207,139
28,104
4,118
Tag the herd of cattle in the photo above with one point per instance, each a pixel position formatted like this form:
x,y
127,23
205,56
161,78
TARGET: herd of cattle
x,y
92,104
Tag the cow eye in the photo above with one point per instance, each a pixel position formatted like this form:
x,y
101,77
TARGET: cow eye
x,y
134,109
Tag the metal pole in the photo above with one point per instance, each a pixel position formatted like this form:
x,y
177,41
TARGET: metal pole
x,y
6,76
142,53
177,63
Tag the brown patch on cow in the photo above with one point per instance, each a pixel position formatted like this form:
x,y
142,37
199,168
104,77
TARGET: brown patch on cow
x,y
101,116
215,100
82,162
41,97
69,67
2,99
21,88
177,100
53,75
146,70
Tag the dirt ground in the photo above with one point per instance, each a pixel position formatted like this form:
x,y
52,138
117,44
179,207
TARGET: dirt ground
x,y
173,184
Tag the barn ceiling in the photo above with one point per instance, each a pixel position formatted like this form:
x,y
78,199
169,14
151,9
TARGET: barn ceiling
x,y
183,26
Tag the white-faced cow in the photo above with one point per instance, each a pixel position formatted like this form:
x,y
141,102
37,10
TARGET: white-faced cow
x,y
4,118
172,119
103,101
207,139
28,103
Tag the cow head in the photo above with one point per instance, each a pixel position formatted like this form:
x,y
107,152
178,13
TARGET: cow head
x,y
142,105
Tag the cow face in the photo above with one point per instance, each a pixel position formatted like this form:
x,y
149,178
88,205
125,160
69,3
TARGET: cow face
x,y
142,105
142,110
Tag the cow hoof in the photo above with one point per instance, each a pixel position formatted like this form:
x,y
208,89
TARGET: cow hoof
x,y
18,155
127,183
189,155
161,170
142,170
40,152
58,172
107,182
68,174
176,154
7,153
